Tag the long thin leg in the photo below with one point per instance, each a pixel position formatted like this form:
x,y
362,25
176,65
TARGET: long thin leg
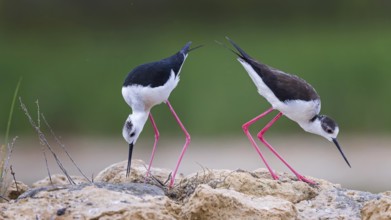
x,y
246,131
261,138
184,147
155,143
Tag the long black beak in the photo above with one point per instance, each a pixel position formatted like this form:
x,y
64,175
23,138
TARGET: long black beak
x,y
191,49
340,150
129,159
186,49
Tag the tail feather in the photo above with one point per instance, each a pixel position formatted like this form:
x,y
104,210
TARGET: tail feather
x,y
243,54
226,47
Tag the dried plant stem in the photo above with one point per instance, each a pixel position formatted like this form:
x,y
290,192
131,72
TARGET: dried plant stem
x,y
46,163
7,159
2,197
43,144
13,175
44,141
64,148
38,113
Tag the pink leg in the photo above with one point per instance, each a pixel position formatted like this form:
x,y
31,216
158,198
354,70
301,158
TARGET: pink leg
x,y
154,145
260,136
245,129
184,147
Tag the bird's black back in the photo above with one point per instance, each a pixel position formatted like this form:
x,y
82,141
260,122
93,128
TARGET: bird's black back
x,y
157,73
285,87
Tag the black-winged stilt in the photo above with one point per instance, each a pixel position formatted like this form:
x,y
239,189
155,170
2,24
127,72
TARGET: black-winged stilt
x,y
148,85
292,97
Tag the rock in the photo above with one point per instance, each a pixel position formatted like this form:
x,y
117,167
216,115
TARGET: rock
x,y
377,209
58,179
116,173
387,193
87,201
334,203
250,183
208,194
208,203
257,183
15,190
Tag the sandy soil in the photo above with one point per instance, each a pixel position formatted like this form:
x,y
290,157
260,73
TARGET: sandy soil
x,y
309,155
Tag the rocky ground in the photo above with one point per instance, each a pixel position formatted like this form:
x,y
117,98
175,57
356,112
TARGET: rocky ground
x,y
207,194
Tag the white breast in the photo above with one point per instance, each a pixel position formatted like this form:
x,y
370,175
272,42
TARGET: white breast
x,y
144,98
298,110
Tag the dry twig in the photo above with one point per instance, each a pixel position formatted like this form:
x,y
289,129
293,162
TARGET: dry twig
x,y
64,148
13,175
2,197
44,141
7,159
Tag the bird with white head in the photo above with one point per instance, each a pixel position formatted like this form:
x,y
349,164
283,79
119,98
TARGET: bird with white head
x,y
292,97
148,85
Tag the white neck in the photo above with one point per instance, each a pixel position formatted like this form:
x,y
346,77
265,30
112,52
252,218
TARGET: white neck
x,y
312,126
138,119
315,127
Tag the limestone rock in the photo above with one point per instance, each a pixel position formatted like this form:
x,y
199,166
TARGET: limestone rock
x,y
15,190
335,203
208,194
87,201
58,179
252,184
377,209
116,173
208,203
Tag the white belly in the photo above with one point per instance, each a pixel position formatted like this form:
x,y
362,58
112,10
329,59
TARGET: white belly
x,y
299,111
144,98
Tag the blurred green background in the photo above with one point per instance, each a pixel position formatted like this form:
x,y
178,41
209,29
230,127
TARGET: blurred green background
x,y
74,55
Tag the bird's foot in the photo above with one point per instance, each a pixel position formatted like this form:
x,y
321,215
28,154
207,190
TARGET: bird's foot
x,y
302,178
153,180
171,185
274,176
169,178
159,182
146,179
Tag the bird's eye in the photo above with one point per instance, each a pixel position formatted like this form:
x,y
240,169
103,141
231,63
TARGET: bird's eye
x,y
129,125
330,131
132,134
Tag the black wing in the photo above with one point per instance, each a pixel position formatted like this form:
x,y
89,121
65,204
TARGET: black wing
x,y
155,74
285,86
